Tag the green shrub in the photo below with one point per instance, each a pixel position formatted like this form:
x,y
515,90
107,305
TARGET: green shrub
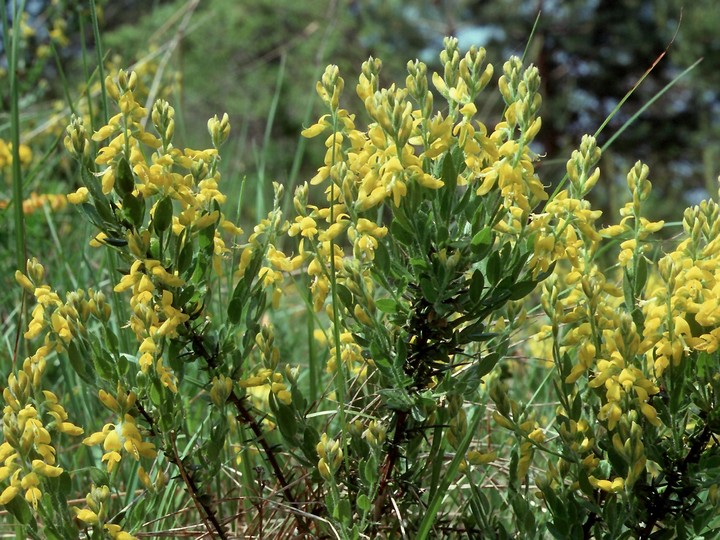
x,y
426,248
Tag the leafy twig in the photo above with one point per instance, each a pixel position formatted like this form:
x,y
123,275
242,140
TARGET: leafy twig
x,y
206,512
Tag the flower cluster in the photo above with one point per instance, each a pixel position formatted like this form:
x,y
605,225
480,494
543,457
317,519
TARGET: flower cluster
x,y
266,378
96,513
399,160
122,435
686,293
592,318
331,456
183,188
6,154
33,417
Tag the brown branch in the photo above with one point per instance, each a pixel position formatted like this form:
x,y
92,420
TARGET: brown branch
x,y
389,463
675,478
246,417
206,512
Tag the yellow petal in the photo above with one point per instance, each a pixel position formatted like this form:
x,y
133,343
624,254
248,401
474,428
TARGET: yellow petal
x,y
112,441
95,438
86,515
8,494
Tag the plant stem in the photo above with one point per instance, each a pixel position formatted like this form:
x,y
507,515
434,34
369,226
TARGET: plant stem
x,y
20,241
204,509
206,512
389,464
245,417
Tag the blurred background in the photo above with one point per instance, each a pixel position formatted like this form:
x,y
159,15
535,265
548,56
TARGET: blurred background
x,y
258,60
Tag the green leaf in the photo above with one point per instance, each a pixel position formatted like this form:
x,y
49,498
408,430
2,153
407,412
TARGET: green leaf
x,y
115,241
447,193
216,442
235,310
20,509
123,363
162,217
99,476
522,288
487,363
577,407
91,214
449,171
256,308
124,181
346,297
186,257
381,362
80,363
64,484
401,351
477,285
704,514
396,399
382,259
206,239
483,237
474,333
185,295
309,442
462,204
285,419
50,535
641,275
419,263
101,202
493,268
557,532
111,341
418,414
429,290
369,470
241,290
363,503
134,208
103,362
387,305
400,233
156,393
344,510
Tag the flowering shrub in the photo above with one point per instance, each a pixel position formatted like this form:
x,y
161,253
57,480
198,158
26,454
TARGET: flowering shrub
x,y
428,244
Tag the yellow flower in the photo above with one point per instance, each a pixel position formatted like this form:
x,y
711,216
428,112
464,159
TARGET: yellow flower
x,y
317,128
44,469
116,532
606,485
79,197
86,515
305,226
116,439
8,494
112,459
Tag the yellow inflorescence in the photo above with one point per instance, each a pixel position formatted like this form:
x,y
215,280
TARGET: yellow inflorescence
x,y
33,416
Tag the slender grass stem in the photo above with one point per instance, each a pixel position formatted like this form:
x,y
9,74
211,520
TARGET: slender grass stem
x,y
100,66
17,179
